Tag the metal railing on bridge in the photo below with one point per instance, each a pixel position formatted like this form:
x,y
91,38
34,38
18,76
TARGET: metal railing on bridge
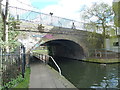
x,y
35,17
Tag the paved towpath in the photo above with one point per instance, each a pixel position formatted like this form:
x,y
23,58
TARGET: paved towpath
x,y
43,76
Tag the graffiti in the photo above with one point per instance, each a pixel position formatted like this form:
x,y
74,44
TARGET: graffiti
x,y
49,36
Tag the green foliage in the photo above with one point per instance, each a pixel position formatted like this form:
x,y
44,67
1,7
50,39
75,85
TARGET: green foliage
x,y
98,18
19,82
13,82
112,32
12,42
95,40
25,82
116,8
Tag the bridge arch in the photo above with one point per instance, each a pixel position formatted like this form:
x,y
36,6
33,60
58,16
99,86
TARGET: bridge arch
x,y
65,48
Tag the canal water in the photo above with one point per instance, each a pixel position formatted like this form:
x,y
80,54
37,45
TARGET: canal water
x,y
90,75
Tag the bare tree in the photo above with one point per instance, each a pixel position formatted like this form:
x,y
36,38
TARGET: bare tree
x,y
100,15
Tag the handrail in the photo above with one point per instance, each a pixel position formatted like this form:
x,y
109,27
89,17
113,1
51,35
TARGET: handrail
x,y
55,64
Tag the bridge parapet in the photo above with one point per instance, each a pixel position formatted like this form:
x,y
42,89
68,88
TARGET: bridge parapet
x,y
45,19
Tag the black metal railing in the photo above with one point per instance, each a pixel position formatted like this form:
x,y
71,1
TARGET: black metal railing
x,y
12,64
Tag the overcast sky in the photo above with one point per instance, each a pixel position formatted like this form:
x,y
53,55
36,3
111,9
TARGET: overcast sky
x,y
63,8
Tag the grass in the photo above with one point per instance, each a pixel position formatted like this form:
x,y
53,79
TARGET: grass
x,y
104,60
19,82
25,82
40,51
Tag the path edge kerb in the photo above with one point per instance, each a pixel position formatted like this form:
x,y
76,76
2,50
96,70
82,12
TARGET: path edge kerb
x,y
65,81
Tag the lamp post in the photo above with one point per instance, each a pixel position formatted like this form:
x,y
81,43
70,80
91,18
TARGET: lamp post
x,y
51,16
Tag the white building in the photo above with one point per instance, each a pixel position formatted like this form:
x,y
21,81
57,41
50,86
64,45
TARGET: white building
x,y
113,43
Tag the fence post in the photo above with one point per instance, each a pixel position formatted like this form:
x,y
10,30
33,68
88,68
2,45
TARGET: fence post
x,y
23,60
106,54
95,53
1,68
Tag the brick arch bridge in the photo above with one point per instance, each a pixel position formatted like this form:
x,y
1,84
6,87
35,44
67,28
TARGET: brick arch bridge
x,y
69,43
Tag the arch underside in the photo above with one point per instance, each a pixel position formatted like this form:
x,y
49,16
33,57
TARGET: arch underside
x,y
65,48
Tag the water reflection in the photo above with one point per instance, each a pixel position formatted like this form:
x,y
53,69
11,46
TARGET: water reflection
x,y
89,75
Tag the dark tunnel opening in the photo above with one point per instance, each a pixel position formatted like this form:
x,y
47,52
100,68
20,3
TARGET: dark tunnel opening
x,y
65,48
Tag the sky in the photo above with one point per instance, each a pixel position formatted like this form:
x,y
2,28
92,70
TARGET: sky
x,y
63,8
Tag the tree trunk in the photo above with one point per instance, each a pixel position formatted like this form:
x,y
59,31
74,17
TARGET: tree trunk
x,y
5,24
104,34
5,33
0,6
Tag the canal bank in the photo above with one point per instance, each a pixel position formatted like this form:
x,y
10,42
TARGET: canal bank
x,y
43,76
103,61
97,61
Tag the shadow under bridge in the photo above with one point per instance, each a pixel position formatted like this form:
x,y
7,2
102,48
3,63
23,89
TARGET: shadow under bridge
x,y
65,48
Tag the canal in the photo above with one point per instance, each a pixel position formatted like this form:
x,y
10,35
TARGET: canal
x,y
90,75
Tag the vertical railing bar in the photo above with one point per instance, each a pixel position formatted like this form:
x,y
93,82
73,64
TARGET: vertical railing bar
x,y
1,68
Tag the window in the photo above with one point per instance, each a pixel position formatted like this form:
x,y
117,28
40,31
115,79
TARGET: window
x,y
116,44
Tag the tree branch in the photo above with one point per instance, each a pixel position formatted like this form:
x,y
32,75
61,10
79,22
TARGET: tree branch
x,y
1,7
6,9
3,16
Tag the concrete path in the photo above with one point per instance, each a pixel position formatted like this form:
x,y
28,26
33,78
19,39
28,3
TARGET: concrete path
x,y
43,76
